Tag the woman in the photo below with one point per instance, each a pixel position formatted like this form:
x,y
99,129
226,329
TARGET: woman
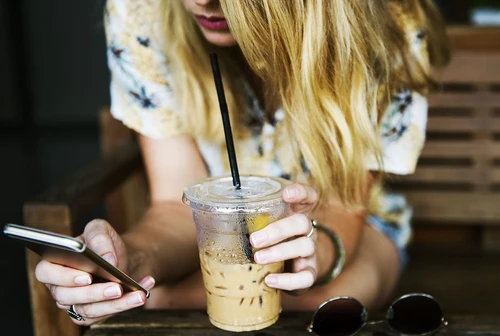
x,y
329,94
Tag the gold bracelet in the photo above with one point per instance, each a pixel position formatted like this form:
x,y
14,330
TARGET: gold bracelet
x,y
340,254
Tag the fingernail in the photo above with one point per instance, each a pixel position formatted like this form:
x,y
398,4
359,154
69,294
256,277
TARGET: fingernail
x,y
113,291
271,280
263,256
135,299
148,282
109,257
82,280
291,193
258,238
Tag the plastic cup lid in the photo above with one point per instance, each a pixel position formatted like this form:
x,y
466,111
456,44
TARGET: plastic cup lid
x,y
219,193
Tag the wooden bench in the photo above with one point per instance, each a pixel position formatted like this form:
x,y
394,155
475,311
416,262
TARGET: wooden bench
x,y
454,191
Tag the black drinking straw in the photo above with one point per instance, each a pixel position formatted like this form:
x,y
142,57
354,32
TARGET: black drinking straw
x,y
225,120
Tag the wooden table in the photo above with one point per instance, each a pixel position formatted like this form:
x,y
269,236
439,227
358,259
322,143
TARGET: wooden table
x,y
162,322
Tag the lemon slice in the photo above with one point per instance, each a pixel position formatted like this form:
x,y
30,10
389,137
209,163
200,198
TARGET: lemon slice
x,y
261,222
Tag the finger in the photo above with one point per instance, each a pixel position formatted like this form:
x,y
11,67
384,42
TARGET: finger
x,y
104,308
298,248
299,193
86,321
291,281
291,226
148,282
87,294
60,306
95,293
100,237
53,274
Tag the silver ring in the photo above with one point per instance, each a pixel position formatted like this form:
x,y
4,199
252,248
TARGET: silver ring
x,y
313,227
73,314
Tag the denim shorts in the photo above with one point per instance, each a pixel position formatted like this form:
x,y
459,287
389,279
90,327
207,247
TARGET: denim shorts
x,y
400,232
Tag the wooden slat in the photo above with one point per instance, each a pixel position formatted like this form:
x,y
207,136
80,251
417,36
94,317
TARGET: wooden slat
x,y
460,149
457,207
469,66
442,175
460,237
87,187
126,203
462,124
48,319
480,99
450,174
495,174
51,217
490,239
474,38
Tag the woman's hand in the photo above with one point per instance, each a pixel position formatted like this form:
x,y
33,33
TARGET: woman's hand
x,y
290,239
94,302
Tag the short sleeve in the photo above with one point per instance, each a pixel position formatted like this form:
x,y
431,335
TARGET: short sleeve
x,y
402,133
140,93
403,125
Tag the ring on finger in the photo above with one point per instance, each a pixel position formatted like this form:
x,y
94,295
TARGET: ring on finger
x,y
313,227
73,314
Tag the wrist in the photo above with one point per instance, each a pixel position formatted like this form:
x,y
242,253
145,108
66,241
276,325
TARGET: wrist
x,y
332,257
325,254
139,260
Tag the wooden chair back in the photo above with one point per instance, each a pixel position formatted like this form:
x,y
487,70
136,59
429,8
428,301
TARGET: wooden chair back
x,y
457,181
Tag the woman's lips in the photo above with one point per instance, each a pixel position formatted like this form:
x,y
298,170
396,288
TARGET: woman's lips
x,y
213,23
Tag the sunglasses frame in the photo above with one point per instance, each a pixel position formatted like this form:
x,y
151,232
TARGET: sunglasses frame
x,y
364,315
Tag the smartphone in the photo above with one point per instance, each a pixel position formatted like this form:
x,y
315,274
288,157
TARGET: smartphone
x,y
68,251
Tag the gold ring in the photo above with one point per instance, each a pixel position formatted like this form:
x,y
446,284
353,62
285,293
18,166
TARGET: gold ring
x,y
313,227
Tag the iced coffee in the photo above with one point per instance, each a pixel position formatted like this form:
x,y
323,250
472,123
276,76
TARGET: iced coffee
x,y
238,298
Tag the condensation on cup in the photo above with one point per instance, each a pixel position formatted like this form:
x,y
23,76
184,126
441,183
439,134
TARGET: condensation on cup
x,y
237,297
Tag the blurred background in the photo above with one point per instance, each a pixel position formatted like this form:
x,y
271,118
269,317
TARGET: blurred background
x,y
53,82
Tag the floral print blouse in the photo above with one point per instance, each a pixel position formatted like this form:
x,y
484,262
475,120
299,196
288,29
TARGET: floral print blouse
x,y
142,98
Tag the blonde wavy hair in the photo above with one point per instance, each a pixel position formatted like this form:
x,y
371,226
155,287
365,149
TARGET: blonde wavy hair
x,y
334,66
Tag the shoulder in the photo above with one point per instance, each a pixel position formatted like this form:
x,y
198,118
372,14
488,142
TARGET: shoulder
x,y
132,15
141,94
135,41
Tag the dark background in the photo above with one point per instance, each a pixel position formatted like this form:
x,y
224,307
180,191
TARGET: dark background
x,y
53,81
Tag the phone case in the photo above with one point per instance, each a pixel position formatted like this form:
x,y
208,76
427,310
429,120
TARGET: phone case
x,y
68,251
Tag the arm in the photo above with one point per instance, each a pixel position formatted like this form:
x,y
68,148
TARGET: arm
x,y
166,235
370,277
370,274
288,239
349,226
372,265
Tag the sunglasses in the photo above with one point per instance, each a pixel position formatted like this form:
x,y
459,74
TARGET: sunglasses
x,y
411,314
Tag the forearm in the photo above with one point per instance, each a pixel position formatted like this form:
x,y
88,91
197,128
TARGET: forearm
x,y
347,226
163,244
371,276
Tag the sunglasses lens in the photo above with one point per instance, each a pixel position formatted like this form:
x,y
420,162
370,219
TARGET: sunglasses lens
x,y
415,314
339,317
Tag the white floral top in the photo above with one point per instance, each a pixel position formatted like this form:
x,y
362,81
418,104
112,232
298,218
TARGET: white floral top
x,y
142,98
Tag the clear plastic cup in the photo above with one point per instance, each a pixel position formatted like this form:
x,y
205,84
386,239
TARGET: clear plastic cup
x,y
237,297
